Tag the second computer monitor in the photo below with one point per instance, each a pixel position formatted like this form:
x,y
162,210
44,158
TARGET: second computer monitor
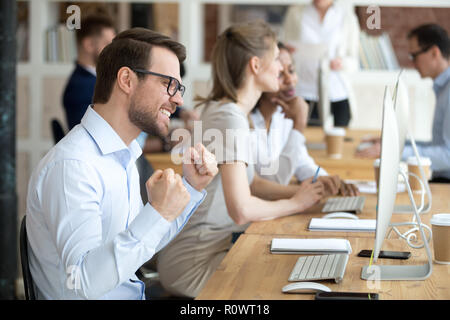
x,y
324,105
389,165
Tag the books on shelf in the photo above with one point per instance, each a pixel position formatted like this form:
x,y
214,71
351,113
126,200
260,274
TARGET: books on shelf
x,y
61,44
377,52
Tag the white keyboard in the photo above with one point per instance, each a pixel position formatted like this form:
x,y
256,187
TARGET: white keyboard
x,y
348,204
323,267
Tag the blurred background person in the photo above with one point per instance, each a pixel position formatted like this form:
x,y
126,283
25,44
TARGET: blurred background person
x,y
96,32
429,49
333,26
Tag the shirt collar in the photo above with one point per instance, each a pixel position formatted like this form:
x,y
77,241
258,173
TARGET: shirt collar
x,y
89,69
104,135
441,80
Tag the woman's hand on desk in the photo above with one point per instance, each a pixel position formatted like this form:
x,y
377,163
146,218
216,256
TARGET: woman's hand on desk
x,y
333,186
348,189
372,152
309,193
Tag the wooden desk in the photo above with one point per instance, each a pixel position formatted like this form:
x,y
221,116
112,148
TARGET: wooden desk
x,y
163,161
250,272
297,225
348,167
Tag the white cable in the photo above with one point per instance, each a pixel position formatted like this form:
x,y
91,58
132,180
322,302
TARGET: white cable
x,y
410,235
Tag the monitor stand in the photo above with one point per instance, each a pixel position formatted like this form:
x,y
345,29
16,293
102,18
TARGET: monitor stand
x,y
424,208
402,272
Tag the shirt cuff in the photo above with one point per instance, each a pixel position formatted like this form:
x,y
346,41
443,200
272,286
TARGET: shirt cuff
x,y
196,196
149,226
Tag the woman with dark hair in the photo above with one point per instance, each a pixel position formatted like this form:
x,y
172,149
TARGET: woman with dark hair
x,y
280,119
245,64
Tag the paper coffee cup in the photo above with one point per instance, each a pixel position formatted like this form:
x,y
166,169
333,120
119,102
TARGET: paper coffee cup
x,y
440,225
335,142
413,167
376,168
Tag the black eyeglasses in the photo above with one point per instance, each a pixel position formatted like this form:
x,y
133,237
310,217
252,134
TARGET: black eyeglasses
x,y
172,87
413,56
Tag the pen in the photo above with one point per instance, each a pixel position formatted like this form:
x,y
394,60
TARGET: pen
x,y
315,176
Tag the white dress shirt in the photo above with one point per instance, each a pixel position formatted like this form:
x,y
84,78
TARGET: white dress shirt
x,y
88,230
282,149
328,33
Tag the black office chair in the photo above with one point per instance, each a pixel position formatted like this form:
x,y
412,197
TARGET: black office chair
x,y
57,130
145,170
27,278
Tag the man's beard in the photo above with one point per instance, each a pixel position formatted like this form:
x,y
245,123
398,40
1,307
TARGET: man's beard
x,y
145,120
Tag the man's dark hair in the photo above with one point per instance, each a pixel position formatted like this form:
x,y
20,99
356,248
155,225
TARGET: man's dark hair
x,y
93,26
432,34
130,48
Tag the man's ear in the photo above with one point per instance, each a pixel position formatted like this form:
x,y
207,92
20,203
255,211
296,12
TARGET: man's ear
x,y
255,64
436,52
126,80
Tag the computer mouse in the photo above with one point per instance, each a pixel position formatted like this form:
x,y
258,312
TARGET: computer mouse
x,y
340,215
305,287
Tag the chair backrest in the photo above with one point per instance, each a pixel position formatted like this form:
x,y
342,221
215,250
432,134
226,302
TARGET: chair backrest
x,y
57,130
27,279
145,170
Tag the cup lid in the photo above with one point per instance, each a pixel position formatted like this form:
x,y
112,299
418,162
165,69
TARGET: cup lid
x,y
441,219
335,131
423,161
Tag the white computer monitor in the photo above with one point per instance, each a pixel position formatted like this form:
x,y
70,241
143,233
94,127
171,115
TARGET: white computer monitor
x,y
389,170
389,165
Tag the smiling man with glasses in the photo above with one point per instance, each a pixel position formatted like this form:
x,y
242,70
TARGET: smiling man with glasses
x,y
88,229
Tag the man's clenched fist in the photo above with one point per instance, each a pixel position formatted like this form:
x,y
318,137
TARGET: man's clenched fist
x,y
199,166
167,193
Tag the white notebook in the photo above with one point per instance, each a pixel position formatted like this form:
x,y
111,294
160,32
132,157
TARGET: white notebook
x,y
346,225
310,246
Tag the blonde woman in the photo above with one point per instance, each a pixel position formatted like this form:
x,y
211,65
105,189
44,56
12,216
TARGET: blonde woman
x,y
245,63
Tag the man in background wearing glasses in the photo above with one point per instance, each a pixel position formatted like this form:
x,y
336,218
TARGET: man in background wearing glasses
x,y
429,49
88,229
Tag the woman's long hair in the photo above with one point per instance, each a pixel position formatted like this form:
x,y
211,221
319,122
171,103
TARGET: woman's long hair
x,y
231,53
